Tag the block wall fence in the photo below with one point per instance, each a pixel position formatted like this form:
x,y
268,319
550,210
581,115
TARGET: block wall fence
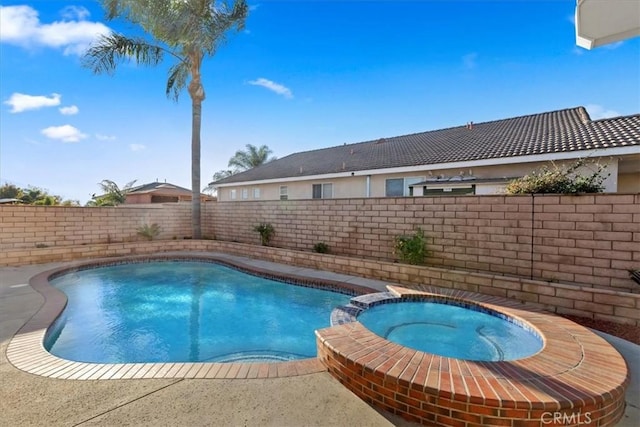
x,y
569,254
24,228
587,239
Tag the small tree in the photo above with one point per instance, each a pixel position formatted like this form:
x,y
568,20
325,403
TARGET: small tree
x,y
33,196
10,191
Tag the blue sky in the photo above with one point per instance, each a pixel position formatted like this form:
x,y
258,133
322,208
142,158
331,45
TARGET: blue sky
x,y
302,75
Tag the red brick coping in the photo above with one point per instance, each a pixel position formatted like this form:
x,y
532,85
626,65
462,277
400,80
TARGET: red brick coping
x,y
26,350
576,379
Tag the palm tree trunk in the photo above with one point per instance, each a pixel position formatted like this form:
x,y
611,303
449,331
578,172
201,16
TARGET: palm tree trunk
x,y
196,229
196,91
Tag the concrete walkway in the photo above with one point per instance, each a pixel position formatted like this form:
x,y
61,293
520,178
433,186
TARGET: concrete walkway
x,y
309,400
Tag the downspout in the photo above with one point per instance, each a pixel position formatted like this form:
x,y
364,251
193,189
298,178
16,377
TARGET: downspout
x,y
368,189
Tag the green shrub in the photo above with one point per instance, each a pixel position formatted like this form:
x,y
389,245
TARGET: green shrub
x,y
266,232
321,248
411,249
149,231
555,180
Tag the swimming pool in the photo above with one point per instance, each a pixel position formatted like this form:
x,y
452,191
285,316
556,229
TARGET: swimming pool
x,y
185,311
451,330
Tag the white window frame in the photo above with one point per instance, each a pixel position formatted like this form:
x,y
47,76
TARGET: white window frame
x,y
256,192
245,193
284,192
323,192
406,182
232,194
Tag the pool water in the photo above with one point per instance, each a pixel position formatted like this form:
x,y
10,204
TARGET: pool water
x,y
450,330
176,311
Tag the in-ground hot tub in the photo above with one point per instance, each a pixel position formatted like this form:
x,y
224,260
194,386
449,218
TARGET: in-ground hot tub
x,y
576,376
449,328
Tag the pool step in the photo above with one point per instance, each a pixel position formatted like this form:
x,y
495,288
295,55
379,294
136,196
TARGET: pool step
x,y
348,313
364,301
344,314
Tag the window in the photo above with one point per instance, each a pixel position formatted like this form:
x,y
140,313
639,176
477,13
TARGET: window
x,y
284,195
322,191
256,193
232,194
245,193
398,187
394,187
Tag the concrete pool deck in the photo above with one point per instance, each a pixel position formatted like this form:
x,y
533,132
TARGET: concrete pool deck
x,y
312,399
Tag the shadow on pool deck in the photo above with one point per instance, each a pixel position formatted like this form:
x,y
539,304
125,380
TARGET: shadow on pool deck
x,y
310,400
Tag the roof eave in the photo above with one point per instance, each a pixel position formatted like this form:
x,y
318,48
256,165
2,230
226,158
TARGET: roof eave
x,y
495,161
600,23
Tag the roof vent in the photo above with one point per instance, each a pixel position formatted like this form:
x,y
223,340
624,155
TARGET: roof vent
x,y
352,151
469,125
300,169
380,141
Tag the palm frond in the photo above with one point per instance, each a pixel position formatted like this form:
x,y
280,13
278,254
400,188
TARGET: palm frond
x,y
178,76
223,19
112,49
128,186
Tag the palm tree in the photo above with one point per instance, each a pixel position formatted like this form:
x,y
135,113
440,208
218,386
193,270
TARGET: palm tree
x,y
112,194
188,31
251,158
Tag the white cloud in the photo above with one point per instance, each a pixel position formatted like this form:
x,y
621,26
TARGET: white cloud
x,y
102,137
599,112
137,147
20,102
272,86
65,133
69,111
75,12
469,60
21,26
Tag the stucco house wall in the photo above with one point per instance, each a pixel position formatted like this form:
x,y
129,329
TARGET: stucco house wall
x,y
354,185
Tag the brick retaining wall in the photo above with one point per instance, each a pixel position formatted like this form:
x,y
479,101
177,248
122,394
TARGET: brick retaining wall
x,y
585,239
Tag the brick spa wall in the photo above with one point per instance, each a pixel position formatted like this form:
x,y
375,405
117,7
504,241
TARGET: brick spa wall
x,y
591,240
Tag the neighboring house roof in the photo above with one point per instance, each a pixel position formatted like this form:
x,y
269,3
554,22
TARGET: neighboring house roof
x,y
544,133
7,201
156,187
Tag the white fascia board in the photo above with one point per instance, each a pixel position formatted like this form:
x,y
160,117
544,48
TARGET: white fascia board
x,y
567,155
589,44
601,22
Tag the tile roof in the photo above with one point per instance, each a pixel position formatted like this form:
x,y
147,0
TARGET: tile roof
x,y
145,188
551,132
